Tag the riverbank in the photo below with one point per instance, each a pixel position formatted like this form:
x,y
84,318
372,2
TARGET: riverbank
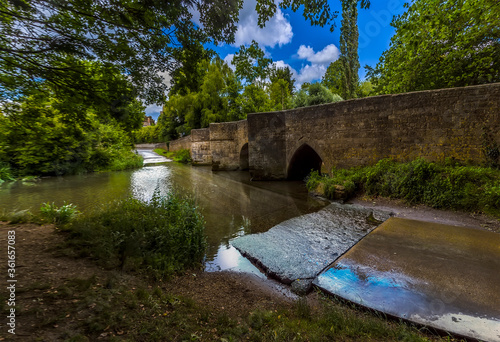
x,y
61,298
424,213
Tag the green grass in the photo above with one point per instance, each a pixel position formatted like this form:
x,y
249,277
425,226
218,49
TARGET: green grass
x,y
161,238
439,185
181,156
116,310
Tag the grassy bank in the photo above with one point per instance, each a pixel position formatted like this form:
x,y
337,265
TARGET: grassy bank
x,y
181,156
439,185
161,238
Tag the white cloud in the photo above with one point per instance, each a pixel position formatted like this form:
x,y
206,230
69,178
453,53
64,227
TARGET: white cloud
x,y
319,62
277,30
329,54
229,61
310,73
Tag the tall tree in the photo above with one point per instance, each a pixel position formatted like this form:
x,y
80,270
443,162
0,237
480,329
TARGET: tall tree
x,y
349,49
318,12
441,44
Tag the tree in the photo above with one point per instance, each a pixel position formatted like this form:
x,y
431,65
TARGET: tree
x,y
188,76
255,100
251,64
279,93
441,44
318,13
314,94
333,77
349,49
217,100
44,40
276,73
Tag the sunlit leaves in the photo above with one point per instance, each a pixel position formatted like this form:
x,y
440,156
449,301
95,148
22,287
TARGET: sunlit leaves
x,y
440,44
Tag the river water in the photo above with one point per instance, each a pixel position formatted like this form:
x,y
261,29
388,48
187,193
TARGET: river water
x,y
231,204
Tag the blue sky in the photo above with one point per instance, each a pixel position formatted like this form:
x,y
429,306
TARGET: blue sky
x,y
291,41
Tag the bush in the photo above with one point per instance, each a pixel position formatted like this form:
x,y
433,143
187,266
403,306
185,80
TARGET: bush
x,y
5,173
447,185
162,237
62,215
183,156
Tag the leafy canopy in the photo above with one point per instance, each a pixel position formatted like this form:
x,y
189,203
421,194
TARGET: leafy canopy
x,y
47,39
441,44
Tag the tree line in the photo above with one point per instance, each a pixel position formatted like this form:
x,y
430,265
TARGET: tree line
x,y
75,75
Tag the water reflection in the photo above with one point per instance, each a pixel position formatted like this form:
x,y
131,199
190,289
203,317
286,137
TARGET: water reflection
x,y
231,204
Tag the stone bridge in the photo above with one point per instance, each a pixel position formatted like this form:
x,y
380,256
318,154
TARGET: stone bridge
x,y
437,124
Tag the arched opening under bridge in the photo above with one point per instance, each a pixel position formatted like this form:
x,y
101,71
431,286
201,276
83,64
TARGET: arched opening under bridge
x,y
303,161
244,157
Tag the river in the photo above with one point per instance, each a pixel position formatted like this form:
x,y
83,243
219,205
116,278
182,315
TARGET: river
x,y
231,204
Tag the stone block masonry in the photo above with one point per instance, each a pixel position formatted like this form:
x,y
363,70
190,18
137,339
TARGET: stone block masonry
x,y
434,124
183,143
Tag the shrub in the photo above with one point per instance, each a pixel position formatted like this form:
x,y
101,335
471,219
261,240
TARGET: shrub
x,y
5,173
448,185
62,215
183,156
162,237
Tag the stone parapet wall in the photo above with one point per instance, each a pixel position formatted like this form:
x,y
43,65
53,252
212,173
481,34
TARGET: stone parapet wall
x,y
200,147
225,144
183,143
436,124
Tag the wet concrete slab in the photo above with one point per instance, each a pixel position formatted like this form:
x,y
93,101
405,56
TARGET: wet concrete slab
x,y
151,157
443,276
301,247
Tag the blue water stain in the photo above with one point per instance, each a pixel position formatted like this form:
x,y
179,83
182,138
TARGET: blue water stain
x,y
385,291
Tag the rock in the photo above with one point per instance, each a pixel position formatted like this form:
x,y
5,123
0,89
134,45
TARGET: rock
x,y
302,287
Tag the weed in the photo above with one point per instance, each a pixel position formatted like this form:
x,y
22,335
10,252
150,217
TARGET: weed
x,y
161,237
58,215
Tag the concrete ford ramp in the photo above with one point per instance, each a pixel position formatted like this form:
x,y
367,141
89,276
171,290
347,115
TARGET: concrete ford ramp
x,y
442,276
151,157
299,248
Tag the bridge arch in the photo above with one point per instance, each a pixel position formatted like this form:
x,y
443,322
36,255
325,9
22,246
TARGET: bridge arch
x,y
244,163
302,161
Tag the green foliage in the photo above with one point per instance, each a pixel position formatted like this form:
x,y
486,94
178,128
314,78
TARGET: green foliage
x,y
446,186
349,59
366,89
333,78
5,173
183,156
442,44
279,94
317,13
251,64
315,94
148,134
58,215
162,237
255,100
217,100
38,138
47,40
285,74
